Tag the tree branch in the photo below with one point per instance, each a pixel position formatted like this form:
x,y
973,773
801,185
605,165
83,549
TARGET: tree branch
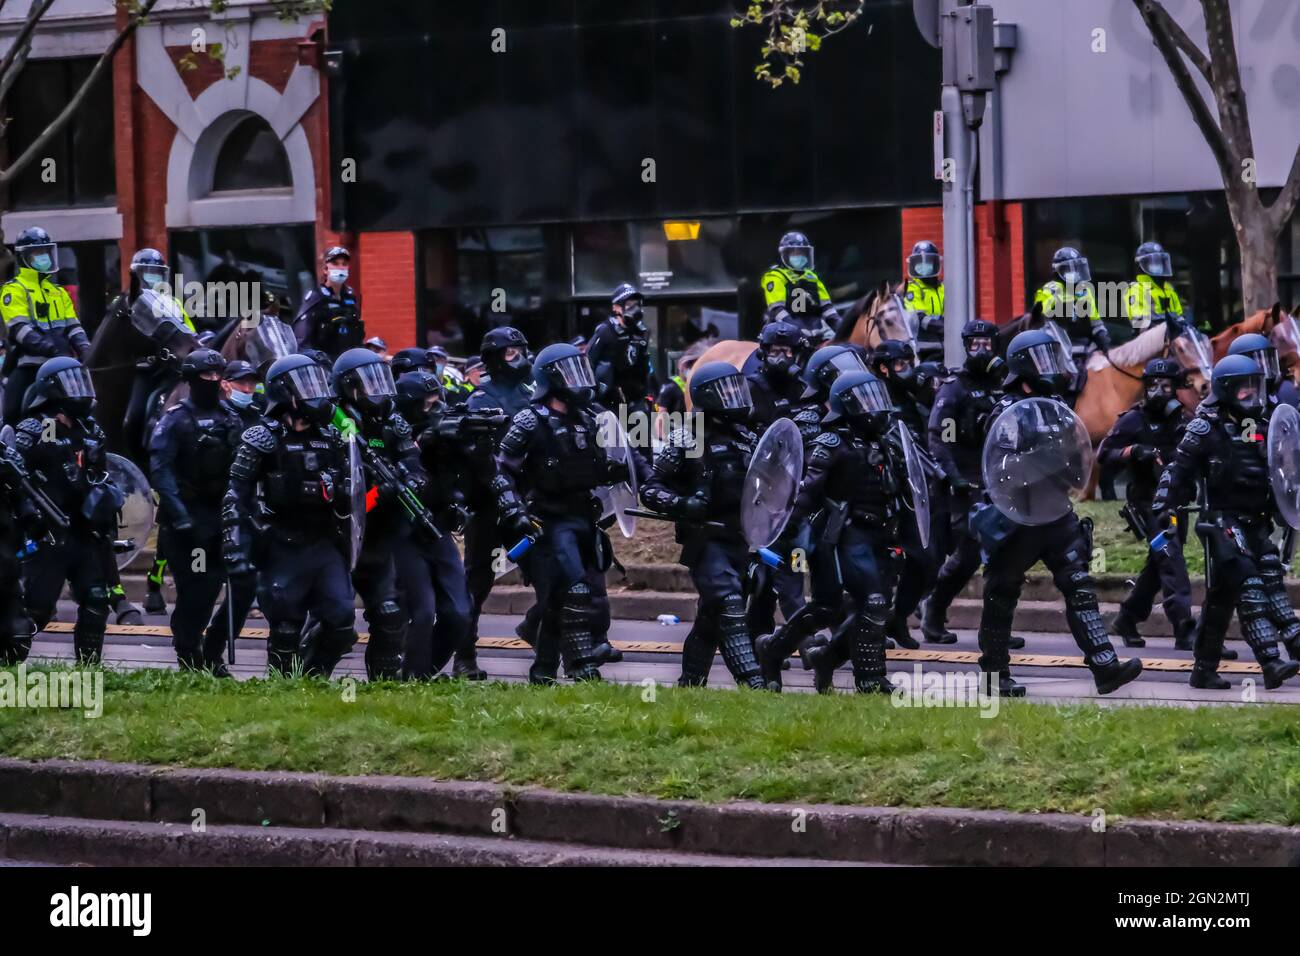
x,y
1219,144
62,120
1234,116
23,39
1285,203
7,80
1185,43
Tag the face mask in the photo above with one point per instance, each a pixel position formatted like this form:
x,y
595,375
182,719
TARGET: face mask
x,y
338,276
151,280
981,363
924,270
241,399
205,392
43,262
798,262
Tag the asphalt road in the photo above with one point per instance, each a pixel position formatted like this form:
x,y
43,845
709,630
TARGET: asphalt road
x,y
1049,665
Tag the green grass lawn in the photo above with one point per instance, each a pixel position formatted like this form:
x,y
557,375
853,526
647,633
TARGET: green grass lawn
x,y
1228,764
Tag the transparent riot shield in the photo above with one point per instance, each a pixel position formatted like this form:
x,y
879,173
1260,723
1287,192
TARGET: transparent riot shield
x,y
771,483
1284,462
917,485
616,499
1037,459
135,521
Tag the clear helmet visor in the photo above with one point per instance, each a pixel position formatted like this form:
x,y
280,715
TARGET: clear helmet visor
x,y
573,372
309,383
1049,359
274,338
376,381
1156,264
75,382
1074,271
43,258
1268,361
847,361
151,276
1162,388
797,257
866,398
924,265
1249,391
731,392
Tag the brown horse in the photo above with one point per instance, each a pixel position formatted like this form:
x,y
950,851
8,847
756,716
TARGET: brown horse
x,y
1282,330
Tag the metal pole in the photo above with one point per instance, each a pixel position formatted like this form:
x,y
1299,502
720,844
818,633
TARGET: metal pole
x,y
957,278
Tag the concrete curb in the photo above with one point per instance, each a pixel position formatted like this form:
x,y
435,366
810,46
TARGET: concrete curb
x,y
128,793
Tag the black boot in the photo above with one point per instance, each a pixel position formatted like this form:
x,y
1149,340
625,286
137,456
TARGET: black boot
x,y
897,629
1089,632
1184,633
823,658
934,624
1124,627
124,612
465,665
607,653
1015,643
1277,672
1260,634
282,655
154,602
1113,675
736,647
577,646
324,647
1001,683
1205,676
867,648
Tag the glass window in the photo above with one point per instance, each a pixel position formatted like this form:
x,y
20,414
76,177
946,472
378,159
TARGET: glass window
x,y
252,157
642,252
280,259
82,172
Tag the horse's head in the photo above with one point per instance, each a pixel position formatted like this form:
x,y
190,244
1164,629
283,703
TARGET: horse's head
x,y
1285,337
1194,353
891,320
264,339
1263,322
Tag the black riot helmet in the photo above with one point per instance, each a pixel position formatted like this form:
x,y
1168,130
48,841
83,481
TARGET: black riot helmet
x,y
363,380
719,390
418,393
492,351
562,371
1071,266
1259,348
796,251
62,385
148,271
408,360
782,334
1038,360
297,385
1239,387
928,378
861,399
1152,259
924,261
35,249
980,341
826,365
886,359
1161,378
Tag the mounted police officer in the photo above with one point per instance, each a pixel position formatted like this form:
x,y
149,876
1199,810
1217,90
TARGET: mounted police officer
x,y
1151,296
1069,301
701,487
190,454
956,430
853,482
550,464
366,392
794,293
923,292
289,490
40,319
429,568
619,353
1225,448
63,449
1038,369
329,318
1142,441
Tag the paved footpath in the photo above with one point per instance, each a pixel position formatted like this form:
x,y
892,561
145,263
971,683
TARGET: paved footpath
x,y
1049,665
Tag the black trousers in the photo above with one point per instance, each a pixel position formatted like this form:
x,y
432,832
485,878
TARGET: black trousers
x,y
1163,572
198,634
437,603
16,385
963,556
15,625
482,539
78,558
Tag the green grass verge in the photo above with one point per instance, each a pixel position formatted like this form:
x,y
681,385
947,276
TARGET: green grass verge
x,y
1226,764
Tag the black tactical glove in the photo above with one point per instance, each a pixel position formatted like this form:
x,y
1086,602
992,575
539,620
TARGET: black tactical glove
x,y
959,485
1142,454
694,508
520,525
616,471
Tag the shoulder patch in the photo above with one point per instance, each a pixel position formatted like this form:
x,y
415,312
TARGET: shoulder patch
x,y
8,298
771,287
807,415
401,427
32,426
681,438
827,440
260,437
525,419
1198,426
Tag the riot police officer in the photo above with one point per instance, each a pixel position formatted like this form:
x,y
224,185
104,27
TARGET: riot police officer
x,y
1151,296
40,319
550,464
824,367
956,431
366,392
923,291
793,292
509,386
429,568
853,481
1142,441
701,487
1038,369
329,318
619,353
190,455
290,487
1225,447
63,448
21,524
1069,301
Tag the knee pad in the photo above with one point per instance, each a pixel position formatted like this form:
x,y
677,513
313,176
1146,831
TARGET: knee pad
x,y
98,597
1270,569
1085,600
732,606
389,615
1001,603
1252,604
875,610
578,596
1073,581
